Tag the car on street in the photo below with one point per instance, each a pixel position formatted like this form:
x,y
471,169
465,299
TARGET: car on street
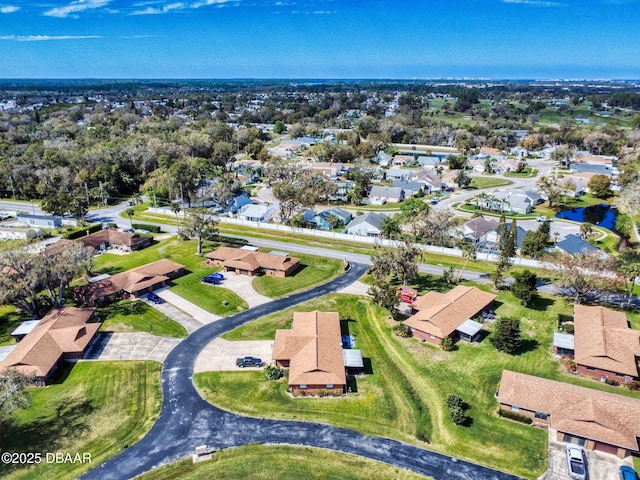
x,y
576,462
152,297
627,473
248,362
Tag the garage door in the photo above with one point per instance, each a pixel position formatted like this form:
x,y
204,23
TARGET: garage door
x,y
574,439
605,447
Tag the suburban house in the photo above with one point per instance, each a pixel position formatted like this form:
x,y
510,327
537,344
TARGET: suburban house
x,y
328,169
605,346
62,334
132,283
112,238
367,225
409,188
597,169
590,418
8,233
492,236
399,174
573,244
432,182
429,163
312,350
237,202
252,263
382,159
402,160
477,228
437,315
257,213
322,219
514,202
380,195
40,221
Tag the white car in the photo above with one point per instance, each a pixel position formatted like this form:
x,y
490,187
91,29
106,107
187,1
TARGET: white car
x,y
576,462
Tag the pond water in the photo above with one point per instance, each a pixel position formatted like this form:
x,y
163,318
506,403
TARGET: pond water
x,y
603,215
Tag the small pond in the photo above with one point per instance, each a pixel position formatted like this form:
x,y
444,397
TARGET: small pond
x,y
603,215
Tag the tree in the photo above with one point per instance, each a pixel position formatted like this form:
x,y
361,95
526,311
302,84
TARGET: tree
x,y
13,393
456,407
384,295
628,264
600,186
462,179
507,246
390,227
199,224
524,286
130,212
585,274
279,128
535,242
175,209
586,229
469,252
21,282
401,262
506,335
551,188
61,266
272,372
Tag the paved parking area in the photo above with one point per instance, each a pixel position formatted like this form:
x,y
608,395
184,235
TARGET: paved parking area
x,y
356,288
600,466
200,314
221,354
130,346
187,321
242,286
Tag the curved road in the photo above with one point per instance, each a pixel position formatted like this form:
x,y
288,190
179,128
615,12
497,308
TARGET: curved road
x,y
187,421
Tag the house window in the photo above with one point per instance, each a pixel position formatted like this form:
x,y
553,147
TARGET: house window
x,y
432,336
515,408
541,415
329,385
591,369
304,385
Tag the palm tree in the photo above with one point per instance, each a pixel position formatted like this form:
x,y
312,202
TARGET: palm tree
x,y
175,208
130,213
469,251
586,229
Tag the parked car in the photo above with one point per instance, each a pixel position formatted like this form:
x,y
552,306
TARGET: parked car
x,y
152,297
627,473
576,462
248,362
213,279
127,230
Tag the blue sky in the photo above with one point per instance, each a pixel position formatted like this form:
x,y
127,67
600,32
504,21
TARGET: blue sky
x,y
402,39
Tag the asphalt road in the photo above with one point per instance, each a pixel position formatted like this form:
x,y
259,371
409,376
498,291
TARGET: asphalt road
x,y
187,421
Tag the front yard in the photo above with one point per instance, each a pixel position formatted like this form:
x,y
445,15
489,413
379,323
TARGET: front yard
x,y
98,408
137,316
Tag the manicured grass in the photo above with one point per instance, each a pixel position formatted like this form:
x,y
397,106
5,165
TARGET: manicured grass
x,y
188,286
137,316
261,462
472,371
100,408
378,404
10,319
526,173
313,271
489,182
587,200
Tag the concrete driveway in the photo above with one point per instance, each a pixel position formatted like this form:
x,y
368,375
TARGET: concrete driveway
x,y
221,354
130,346
600,466
242,285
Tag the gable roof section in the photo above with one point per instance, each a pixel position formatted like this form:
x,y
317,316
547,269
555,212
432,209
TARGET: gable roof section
x,y
440,314
111,235
603,340
60,331
250,260
581,411
313,347
480,226
371,218
573,244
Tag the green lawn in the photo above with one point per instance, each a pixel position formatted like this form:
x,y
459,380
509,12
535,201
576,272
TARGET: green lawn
x,y
313,271
488,182
137,316
188,286
261,462
100,408
472,371
10,319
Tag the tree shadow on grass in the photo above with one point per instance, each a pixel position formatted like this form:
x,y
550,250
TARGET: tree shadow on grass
x,y
122,308
368,366
527,345
541,304
430,282
300,268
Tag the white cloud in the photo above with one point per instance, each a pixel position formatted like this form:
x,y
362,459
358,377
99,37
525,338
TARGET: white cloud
x,y
45,38
9,9
178,6
324,12
536,3
76,7
158,11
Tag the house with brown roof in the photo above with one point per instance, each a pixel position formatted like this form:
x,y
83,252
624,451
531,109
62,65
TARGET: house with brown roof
x,y
112,238
62,334
477,228
132,283
591,418
437,315
605,346
252,263
312,350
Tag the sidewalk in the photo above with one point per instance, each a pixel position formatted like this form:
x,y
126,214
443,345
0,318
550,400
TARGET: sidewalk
x,y
199,314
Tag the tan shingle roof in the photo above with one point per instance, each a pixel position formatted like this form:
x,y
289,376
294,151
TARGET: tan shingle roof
x,y
581,411
250,260
603,340
111,235
440,314
61,331
313,347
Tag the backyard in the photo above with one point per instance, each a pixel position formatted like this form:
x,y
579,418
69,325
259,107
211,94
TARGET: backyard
x,y
98,408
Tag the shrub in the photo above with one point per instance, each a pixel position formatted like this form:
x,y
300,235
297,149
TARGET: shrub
x,y
272,372
515,416
457,415
402,330
569,328
144,226
447,344
96,227
456,407
632,385
506,336
454,400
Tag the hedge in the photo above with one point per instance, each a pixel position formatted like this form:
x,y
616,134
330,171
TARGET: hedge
x,y
144,226
518,417
83,232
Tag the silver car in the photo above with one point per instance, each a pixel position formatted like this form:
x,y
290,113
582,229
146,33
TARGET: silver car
x,y
576,462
